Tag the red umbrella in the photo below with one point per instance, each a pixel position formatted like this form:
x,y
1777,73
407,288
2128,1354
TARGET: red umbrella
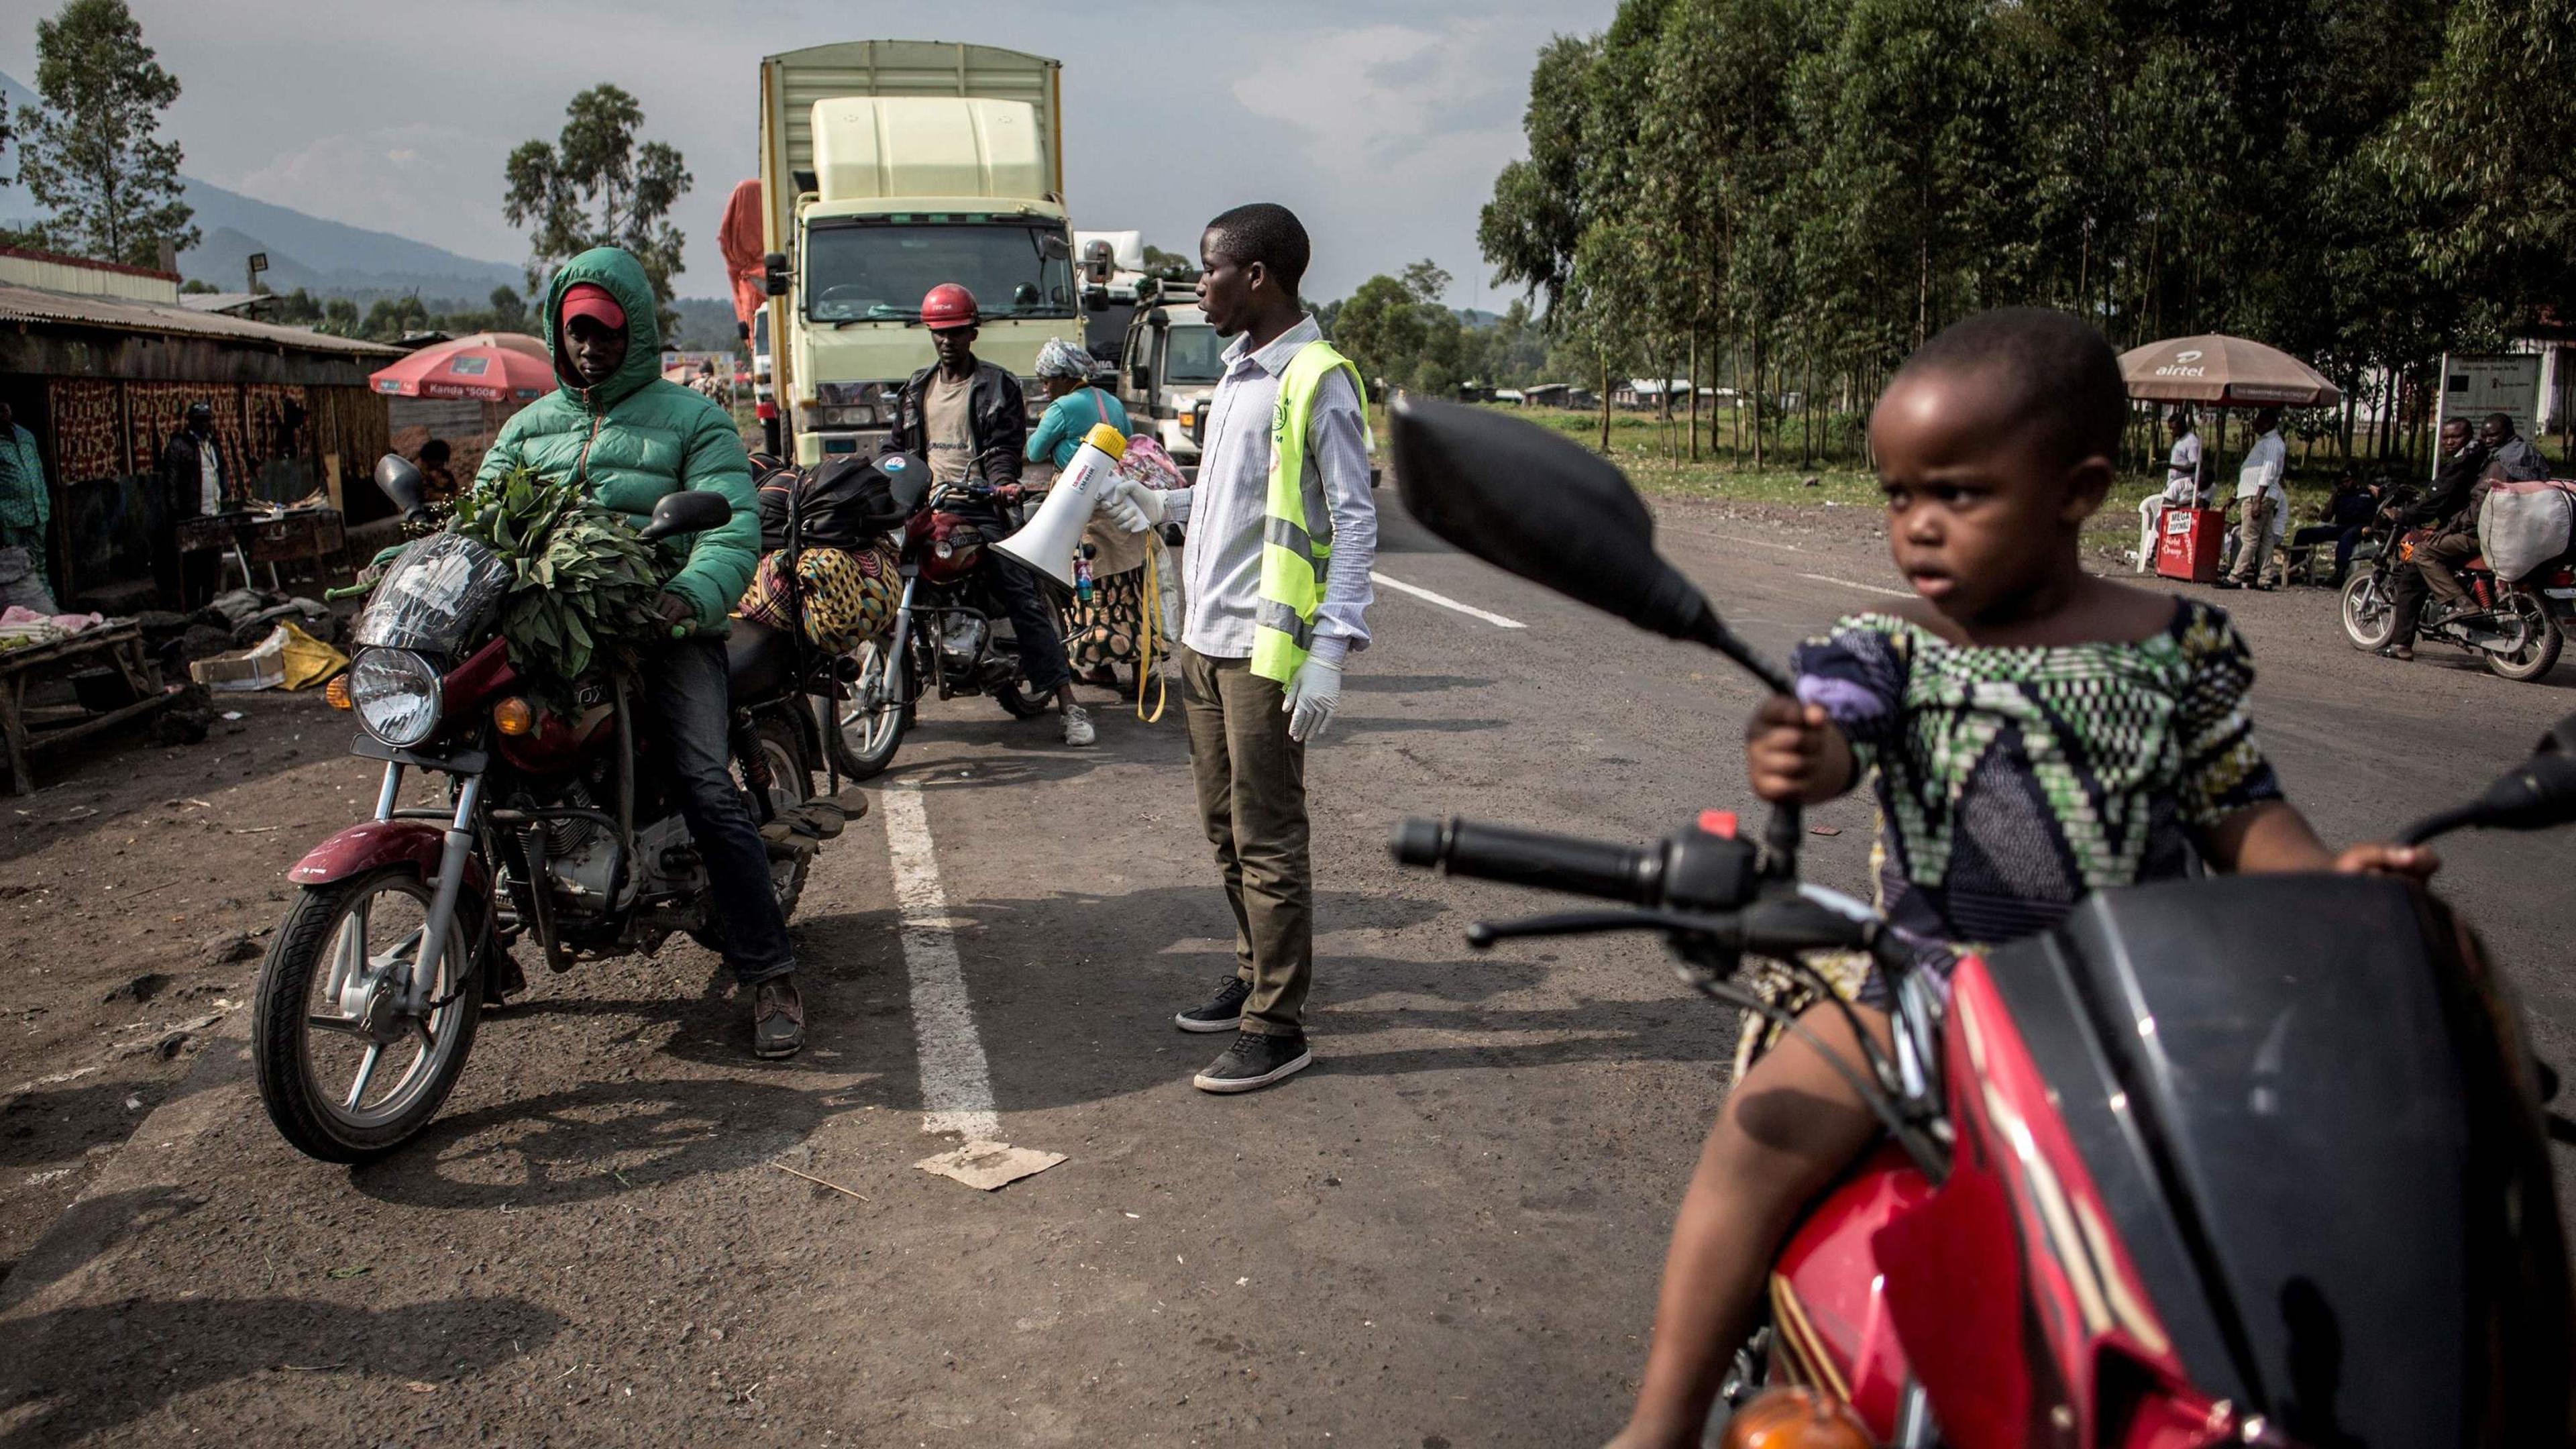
x,y
488,366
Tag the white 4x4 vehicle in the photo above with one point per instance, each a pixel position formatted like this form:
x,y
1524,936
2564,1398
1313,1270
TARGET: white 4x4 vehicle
x,y
1167,369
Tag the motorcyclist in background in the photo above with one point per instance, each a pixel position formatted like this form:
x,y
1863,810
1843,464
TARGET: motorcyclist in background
x,y
2444,509
969,420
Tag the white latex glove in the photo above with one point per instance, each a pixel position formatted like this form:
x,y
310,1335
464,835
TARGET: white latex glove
x,y
1133,506
1313,694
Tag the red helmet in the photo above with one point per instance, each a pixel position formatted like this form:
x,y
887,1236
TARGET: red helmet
x,y
947,305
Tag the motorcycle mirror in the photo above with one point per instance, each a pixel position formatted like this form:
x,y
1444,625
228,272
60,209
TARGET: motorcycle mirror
x,y
688,511
399,479
2539,793
907,478
1542,506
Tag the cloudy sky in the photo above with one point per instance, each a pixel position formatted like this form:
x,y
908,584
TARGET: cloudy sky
x,y
1382,124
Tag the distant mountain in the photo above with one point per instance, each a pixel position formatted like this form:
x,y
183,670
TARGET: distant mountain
x,y
303,250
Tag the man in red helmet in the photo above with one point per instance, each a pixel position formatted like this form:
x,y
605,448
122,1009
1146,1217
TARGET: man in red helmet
x,y
969,420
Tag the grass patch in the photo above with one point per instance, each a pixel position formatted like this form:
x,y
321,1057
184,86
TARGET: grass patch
x,y
1642,446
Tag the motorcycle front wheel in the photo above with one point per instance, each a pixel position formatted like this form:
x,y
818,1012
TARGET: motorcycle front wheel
x,y
2540,642
336,1088
872,720
2369,618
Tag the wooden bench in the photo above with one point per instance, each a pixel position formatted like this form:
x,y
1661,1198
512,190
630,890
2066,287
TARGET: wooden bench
x,y
118,645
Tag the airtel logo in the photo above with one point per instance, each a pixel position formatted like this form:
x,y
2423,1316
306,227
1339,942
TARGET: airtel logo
x,y
2193,355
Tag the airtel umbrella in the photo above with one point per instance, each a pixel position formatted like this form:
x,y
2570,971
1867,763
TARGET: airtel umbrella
x,y
2224,372
487,367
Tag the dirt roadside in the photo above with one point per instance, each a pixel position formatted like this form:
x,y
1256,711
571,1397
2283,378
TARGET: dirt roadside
x,y
136,890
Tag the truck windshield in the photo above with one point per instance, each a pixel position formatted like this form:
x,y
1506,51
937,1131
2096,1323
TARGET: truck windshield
x,y
874,272
1194,353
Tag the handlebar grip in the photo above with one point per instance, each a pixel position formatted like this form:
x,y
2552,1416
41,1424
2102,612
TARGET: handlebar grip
x,y
1532,858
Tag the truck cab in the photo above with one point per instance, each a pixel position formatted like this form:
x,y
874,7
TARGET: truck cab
x,y
887,168
1169,366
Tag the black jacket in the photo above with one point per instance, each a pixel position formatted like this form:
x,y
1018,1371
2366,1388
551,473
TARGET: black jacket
x,y
1000,419
2448,498
183,477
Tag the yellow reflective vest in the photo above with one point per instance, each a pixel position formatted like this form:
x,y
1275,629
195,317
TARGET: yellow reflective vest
x,y
1295,549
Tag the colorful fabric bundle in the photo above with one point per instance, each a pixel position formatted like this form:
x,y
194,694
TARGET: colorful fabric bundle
x,y
849,595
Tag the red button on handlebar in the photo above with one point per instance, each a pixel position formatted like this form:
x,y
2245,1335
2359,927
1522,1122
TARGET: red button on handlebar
x,y
1720,823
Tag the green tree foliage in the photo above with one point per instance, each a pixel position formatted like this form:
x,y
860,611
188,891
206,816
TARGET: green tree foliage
x,y
597,186
1789,195
92,153
1170,266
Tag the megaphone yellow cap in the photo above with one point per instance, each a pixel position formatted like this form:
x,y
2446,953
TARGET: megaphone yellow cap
x,y
1107,439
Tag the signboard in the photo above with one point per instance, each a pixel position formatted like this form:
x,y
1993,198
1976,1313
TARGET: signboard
x,y
2473,387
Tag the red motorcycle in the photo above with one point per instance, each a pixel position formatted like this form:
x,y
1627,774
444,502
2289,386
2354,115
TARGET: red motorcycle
x,y
951,634
557,830
2255,1160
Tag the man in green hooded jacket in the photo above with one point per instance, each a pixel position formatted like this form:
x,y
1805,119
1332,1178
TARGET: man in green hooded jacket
x,y
631,437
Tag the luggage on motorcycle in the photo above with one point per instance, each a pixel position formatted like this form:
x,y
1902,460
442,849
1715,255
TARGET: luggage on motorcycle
x,y
848,596
846,503
2526,524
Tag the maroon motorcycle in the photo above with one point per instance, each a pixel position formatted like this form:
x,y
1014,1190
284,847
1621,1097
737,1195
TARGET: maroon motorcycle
x,y
2254,1160
557,830
951,635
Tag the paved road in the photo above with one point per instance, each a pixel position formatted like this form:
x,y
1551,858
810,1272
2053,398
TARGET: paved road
x,y
1446,1233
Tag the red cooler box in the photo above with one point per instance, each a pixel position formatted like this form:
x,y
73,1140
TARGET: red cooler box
x,y
2190,544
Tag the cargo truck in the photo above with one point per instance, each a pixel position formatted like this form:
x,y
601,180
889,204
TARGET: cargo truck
x,y
888,167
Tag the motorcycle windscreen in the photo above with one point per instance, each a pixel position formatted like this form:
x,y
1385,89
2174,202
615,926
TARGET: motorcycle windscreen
x,y
2302,1098
437,597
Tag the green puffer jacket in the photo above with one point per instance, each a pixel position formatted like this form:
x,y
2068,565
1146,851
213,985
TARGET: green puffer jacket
x,y
636,437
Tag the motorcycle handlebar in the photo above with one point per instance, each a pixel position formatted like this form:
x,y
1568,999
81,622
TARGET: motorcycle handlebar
x,y
1532,858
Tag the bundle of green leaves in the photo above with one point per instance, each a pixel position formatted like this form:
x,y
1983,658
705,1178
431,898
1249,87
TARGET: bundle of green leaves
x,y
583,584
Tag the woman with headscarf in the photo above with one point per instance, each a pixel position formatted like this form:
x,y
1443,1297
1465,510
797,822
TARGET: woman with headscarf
x,y
1104,631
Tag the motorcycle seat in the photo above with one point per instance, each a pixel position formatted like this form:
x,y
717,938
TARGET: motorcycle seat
x,y
760,661
2475,565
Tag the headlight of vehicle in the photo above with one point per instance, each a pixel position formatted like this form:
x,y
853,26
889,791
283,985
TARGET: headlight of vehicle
x,y
395,694
864,416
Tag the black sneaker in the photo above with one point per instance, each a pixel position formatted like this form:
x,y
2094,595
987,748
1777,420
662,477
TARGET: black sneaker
x,y
1223,1011
1255,1060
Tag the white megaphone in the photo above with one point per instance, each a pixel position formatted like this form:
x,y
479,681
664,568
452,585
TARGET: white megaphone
x,y
1048,542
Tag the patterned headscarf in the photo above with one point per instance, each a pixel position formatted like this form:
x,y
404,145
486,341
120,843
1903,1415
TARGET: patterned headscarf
x,y
1060,358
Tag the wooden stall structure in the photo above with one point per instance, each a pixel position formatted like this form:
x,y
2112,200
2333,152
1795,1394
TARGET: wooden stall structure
x,y
99,361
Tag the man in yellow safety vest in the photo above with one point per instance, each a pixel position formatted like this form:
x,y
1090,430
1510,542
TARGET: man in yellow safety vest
x,y
1282,533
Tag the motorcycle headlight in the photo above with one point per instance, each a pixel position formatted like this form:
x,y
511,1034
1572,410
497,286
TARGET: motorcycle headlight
x,y
395,694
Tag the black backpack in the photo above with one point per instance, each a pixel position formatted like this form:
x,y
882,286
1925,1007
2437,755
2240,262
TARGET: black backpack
x,y
846,503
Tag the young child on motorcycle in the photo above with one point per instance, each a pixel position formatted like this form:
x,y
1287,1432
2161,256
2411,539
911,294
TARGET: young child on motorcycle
x,y
2033,733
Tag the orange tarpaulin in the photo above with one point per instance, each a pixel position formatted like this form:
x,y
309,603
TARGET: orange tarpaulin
x,y
739,239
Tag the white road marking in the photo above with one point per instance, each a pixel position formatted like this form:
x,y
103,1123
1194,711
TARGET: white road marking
x,y
1868,588
1733,538
1446,602
956,1085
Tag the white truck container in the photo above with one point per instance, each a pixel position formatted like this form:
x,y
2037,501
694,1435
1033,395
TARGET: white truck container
x,y
887,168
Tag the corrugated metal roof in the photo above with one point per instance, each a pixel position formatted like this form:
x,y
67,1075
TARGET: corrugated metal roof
x,y
38,306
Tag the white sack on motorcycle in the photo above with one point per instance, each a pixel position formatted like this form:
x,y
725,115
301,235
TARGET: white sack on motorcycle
x,y
436,596
2525,524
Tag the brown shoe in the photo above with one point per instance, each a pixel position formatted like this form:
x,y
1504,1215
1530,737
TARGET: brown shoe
x,y
777,1018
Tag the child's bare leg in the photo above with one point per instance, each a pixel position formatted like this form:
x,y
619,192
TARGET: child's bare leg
x,y
1787,1130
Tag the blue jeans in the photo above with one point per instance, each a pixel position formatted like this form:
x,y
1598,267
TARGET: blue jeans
x,y
685,687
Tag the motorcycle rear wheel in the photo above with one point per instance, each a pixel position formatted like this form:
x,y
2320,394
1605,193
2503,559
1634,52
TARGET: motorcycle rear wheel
x,y
300,1035
791,783
2369,618
1015,698
2539,652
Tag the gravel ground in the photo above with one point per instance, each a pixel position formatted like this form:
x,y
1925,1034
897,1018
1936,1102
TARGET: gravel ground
x,y
1445,1234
